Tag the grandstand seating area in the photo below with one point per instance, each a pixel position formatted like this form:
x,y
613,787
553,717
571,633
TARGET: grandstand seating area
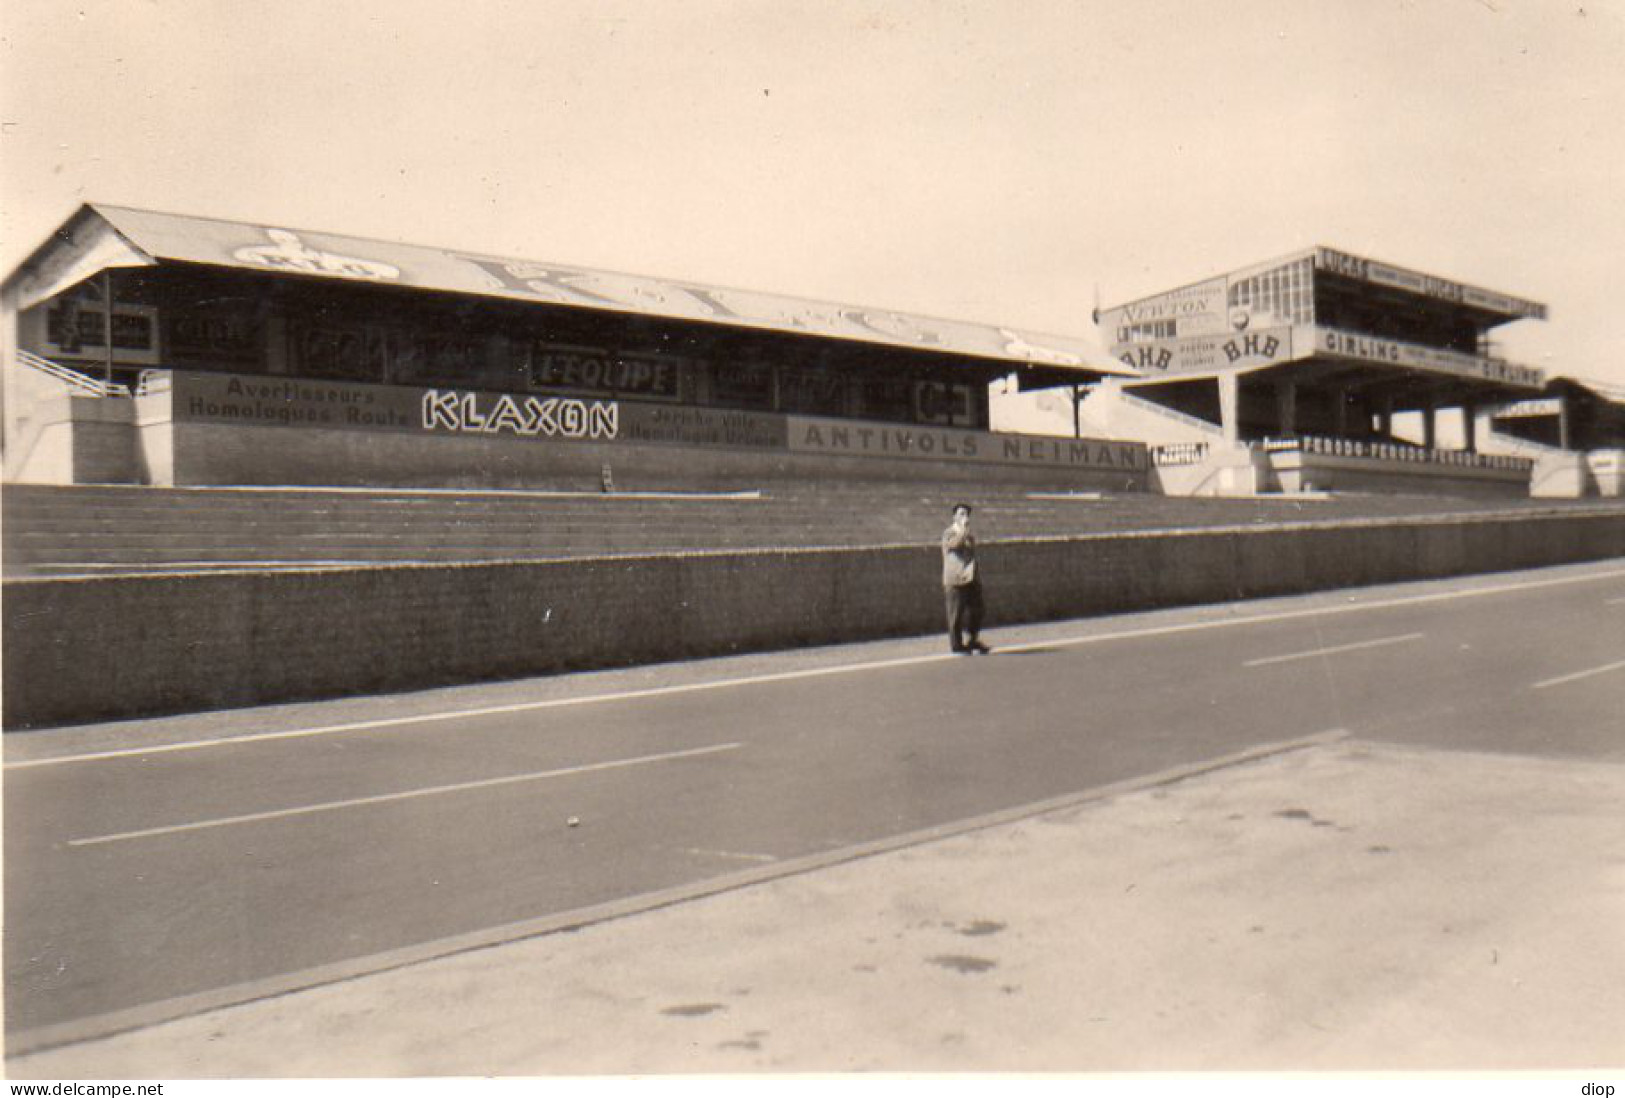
x,y
88,530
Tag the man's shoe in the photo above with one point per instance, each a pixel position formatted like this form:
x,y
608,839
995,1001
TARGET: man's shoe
x,y
959,650
979,648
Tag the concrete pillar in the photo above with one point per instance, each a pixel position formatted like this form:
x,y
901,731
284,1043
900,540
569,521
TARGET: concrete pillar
x,y
1565,424
1286,407
8,371
276,345
1385,416
1230,406
109,351
1469,426
1340,412
1430,424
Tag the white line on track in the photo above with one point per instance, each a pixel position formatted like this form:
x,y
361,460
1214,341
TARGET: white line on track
x,y
1334,649
1561,679
809,673
430,791
729,854
1614,602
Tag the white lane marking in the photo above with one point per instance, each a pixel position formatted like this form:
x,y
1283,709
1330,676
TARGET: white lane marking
x,y
702,853
807,673
382,798
1614,602
487,711
1335,648
1561,679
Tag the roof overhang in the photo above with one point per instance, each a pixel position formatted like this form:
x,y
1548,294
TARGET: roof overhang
x,y
1313,355
101,236
85,245
1485,301
1416,289
1404,384
1184,376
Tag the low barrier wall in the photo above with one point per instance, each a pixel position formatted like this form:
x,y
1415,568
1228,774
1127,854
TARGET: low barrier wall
x,y
88,649
222,429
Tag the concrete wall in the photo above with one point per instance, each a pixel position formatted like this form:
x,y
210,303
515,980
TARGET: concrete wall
x,y
1607,469
67,439
1561,474
84,649
1226,470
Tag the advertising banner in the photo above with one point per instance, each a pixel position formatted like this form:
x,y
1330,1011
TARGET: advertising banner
x,y
260,401
366,351
1383,274
336,405
76,329
846,438
1546,406
690,426
1393,352
223,336
280,402
599,370
1199,309
1195,354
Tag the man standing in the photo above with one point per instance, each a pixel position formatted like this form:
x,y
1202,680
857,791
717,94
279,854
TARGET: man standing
x,y
961,584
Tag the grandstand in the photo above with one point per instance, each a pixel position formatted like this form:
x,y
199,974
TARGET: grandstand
x,y
1574,431
217,434
1297,373
157,349
290,398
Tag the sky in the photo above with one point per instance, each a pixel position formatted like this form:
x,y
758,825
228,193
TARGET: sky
x,y
1011,163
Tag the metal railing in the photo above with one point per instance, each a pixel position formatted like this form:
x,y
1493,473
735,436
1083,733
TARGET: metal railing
x,y
147,383
73,379
153,381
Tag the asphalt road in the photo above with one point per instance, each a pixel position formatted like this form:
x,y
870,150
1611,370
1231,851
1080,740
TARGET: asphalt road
x,y
161,859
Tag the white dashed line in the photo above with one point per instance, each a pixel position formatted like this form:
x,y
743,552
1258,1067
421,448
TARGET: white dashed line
x,y
1336,648
384,798
729,854
1561,679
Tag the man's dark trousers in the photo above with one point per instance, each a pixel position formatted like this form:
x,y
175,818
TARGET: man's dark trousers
x,y
964,614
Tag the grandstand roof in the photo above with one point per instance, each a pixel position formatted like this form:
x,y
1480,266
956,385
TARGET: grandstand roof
x,y
1493,306
1607,391
101,236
